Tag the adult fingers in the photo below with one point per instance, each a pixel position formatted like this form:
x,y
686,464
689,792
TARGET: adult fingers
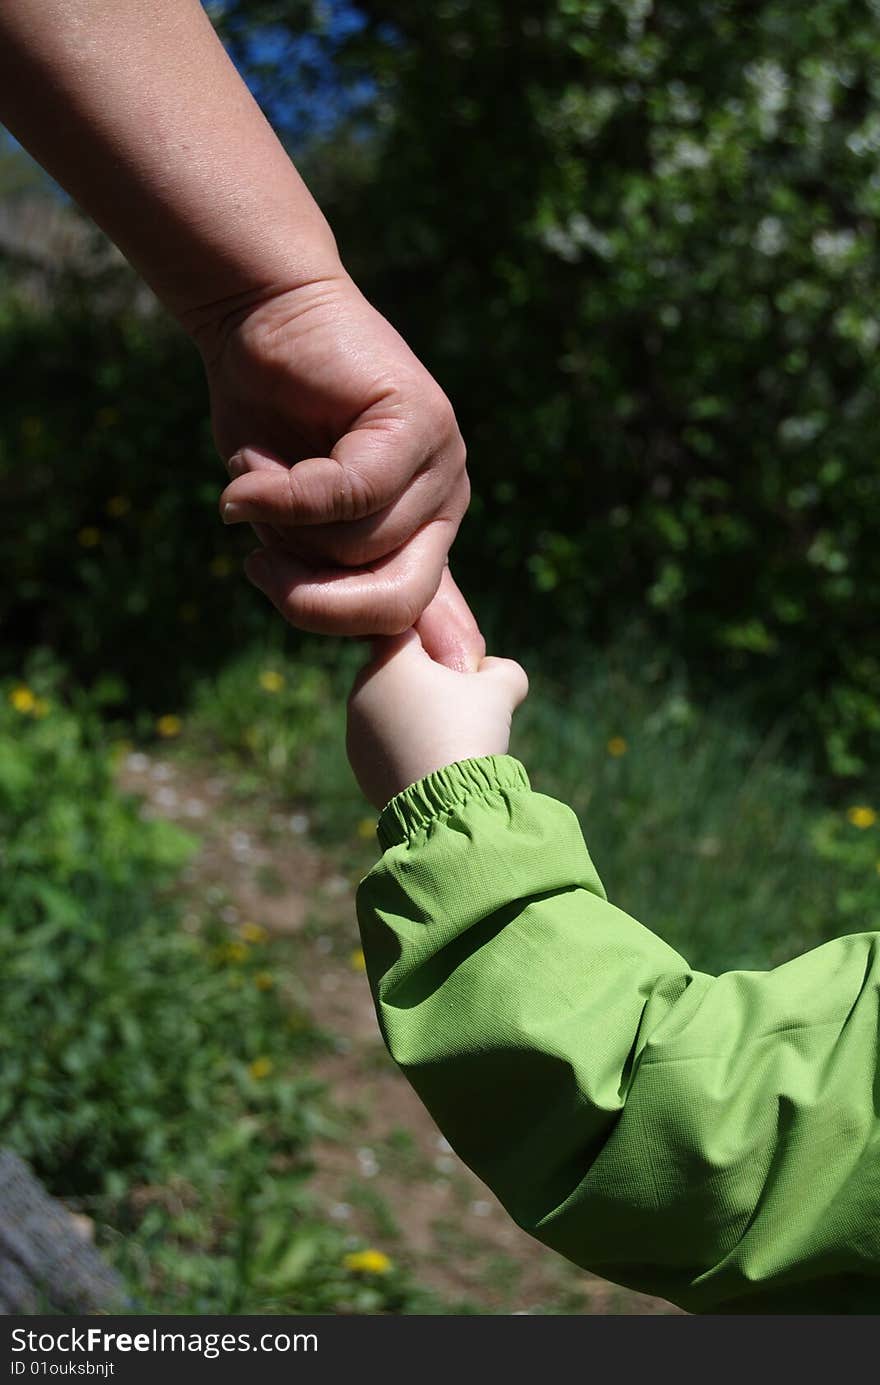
x,y
382,598
248,459
242,463
263,500
368,469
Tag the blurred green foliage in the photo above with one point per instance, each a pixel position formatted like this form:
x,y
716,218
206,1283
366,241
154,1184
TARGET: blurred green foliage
x,y
277,722
90,959
155,1078
712,836
153,1074
113,551
636,244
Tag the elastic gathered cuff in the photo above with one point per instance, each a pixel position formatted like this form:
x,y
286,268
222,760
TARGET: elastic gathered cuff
x,y
444,790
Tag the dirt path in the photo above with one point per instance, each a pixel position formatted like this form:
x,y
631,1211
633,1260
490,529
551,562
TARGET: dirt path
x,y
389,1175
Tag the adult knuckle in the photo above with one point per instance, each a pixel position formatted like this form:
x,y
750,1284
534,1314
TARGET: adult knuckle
x,y
446,424
462,496
356,496
391,616
410,605
348,494
458,450
450,452
440,407
297,494
304,610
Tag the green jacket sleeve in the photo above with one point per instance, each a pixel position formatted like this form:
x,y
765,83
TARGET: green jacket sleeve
x,y
713,1140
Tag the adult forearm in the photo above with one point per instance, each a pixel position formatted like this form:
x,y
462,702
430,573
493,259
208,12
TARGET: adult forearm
x,y
134,107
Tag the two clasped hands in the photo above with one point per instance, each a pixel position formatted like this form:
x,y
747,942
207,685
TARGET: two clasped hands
x,y
344,453
347,461
709,1138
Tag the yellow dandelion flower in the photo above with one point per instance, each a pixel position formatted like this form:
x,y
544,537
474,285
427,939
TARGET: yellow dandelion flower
x,y
270,681
254,932
89,537
616,747
264,980
169,726
22,699
367,1262
232,951
188,612
41,707
117,506
260,1068
356,960
221,566
862,817
366,829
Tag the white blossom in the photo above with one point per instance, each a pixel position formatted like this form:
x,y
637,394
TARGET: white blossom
x,y
834,246
771,84
769,238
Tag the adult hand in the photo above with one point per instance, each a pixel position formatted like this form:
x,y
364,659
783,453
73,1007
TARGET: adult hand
x,y
138,112
346,459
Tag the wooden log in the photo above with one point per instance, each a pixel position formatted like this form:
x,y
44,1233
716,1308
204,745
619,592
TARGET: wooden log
x,y
46,1264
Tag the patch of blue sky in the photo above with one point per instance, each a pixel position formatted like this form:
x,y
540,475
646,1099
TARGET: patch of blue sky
x,y
298,77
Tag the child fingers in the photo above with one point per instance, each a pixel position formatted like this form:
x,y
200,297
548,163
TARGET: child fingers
x,y
405,646
511,674
387,652
449,631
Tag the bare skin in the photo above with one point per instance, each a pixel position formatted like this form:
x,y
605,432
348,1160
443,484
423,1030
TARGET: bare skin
x,y
409,716
344,452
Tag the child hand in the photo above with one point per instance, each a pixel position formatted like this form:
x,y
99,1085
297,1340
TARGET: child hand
x,y
408,715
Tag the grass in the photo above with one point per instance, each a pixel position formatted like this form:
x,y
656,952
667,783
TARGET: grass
x,y
713,837
151,1077
710,836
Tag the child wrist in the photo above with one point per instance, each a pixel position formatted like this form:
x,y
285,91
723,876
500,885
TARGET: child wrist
x,y
443,791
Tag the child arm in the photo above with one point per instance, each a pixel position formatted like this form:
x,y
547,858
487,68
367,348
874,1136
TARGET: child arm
x,y
709,1139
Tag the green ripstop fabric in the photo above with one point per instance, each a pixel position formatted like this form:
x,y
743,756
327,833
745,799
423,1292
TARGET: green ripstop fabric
x,y
710,1139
